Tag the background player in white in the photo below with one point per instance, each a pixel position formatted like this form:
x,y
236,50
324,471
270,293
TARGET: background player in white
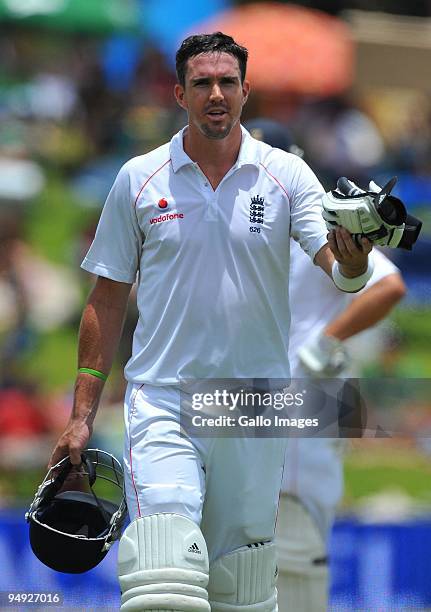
x,y
313,476
204,221
321,319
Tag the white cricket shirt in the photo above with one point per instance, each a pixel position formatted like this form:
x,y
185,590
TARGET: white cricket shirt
x,y
211,264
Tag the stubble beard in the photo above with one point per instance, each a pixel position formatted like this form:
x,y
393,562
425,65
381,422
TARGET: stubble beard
x,y
216,133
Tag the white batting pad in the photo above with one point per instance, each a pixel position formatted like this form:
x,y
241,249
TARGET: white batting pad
x,y
244,580
163,565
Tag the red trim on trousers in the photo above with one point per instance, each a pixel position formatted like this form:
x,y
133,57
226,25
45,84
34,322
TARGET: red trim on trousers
x,y
131,410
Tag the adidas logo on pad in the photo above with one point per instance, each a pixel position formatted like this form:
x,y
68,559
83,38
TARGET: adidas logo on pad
x,y
194,548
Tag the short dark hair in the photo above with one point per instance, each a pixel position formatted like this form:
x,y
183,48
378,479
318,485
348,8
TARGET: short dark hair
x,y
217,42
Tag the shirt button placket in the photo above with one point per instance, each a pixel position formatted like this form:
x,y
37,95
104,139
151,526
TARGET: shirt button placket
x,y
212,209
211,198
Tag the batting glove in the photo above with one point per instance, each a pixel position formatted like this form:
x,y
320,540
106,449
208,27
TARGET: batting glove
x,y
324,356
375,214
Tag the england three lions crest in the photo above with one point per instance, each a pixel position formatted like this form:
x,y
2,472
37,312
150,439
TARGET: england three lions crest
x,y
257,209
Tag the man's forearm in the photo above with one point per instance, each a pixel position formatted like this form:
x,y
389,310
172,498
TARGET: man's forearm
x,y
368,308
99,335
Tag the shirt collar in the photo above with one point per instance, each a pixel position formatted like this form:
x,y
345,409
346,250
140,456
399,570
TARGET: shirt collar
x,y
179,157
248,152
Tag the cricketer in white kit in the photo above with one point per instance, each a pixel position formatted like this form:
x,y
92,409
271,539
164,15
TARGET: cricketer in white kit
x,y
204,221
313,476
212,305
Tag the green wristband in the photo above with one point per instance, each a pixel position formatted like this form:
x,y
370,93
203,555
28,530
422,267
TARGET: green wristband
x,y
92,372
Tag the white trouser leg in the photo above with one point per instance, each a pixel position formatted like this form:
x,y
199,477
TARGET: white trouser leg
x,y
163,565
163,470
243,487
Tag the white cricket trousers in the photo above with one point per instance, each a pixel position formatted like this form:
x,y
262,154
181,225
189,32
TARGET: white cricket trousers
x,y
228,486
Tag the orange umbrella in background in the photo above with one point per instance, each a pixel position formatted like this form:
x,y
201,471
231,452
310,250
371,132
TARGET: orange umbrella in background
x,y
291,49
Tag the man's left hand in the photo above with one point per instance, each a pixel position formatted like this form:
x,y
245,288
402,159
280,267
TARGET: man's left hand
x,y
353,259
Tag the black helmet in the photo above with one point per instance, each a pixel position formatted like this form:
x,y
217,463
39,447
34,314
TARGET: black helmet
x,y
72,531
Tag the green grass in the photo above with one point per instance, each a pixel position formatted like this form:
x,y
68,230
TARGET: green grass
x,y
382,466
53,363
53,225
54,221
415,325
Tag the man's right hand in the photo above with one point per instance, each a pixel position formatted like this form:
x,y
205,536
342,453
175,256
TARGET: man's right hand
x,y
72,442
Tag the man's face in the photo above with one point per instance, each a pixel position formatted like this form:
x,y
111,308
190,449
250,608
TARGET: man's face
x,y
213,95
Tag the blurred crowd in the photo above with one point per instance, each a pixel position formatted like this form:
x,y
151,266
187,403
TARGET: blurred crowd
x,y
73,109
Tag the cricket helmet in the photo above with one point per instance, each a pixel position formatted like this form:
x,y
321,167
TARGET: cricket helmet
x,y
72,530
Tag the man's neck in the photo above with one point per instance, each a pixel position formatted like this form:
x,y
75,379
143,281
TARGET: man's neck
x,y
214,157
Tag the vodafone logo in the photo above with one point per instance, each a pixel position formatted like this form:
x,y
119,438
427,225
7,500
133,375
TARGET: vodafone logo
x,y
167,217
163,203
